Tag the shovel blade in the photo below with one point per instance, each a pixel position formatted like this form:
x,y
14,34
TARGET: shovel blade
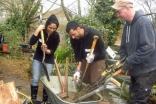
x,y
46,71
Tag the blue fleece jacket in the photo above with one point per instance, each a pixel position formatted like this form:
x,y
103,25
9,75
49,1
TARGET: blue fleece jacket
x,y
138,44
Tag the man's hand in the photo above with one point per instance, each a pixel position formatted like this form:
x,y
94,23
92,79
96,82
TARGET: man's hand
x,y
90,58
77,76
126,67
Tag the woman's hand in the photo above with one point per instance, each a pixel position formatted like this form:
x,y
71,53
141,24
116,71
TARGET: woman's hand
x,y
40,27
47,51
45,47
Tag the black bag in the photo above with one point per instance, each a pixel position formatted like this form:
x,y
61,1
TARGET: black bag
x,y
1,38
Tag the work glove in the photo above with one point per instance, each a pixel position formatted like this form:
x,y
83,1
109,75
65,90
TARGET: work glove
x,y
125,67
90,58
77,76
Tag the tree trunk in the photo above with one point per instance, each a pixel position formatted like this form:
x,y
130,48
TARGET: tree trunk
x,y
65,11
79,8
8,94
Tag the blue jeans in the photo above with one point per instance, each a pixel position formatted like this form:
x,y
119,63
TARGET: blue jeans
x,y
36,71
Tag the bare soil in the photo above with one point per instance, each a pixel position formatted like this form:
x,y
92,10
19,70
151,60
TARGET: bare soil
x,y
19,68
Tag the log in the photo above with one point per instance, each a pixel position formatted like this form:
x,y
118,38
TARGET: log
x,y
8,94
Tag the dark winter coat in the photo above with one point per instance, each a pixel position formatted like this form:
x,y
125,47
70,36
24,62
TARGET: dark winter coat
x,y
52,42
138,44
83,45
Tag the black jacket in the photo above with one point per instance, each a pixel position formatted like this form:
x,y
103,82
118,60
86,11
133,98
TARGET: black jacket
x,y
83,45
138,44
52,42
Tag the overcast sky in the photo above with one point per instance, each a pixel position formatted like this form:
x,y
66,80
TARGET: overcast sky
x,y
72,5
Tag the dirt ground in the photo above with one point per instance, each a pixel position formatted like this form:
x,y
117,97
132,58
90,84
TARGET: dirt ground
x,y
21,69
18,68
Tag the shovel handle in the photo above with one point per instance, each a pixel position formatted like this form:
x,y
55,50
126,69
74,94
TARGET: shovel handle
x,y
43,63
114,81
59,76
42,37
94,43
91,52
117,72
66,75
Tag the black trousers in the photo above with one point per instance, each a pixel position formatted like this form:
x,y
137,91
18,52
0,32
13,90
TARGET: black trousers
x,y
141,86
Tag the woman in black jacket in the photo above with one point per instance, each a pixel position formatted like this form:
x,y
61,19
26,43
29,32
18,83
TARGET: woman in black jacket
x,y
52,39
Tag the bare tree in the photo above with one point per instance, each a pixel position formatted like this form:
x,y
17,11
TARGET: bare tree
x,y
21,13
27,8
91,2
149,8
79,7
65,11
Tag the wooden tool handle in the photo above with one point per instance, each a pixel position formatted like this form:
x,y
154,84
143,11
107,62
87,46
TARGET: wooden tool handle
x,y
114,81
117,72
59,76
66,75
42,37
67,64
94,43
91,52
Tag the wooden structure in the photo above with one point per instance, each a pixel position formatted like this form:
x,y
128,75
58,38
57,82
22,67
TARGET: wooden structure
x,y
8,94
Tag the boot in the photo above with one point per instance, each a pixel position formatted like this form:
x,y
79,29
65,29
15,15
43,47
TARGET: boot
x,y
45,97
34,90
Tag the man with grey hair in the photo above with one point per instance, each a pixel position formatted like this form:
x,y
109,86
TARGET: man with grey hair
x,y
138,45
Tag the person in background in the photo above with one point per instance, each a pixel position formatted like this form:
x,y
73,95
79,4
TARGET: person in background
x,y
138,44
52,39
81,39
1,39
